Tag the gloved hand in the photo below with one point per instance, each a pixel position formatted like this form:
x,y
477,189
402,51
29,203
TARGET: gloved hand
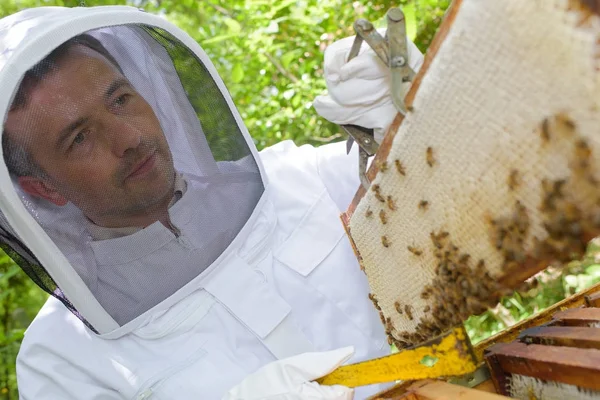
x,y
291,379
359,90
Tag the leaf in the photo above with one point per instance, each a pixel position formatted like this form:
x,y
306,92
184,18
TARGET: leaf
x,y
288,94
233,25
429,361
272,28
410,17
593,270
571,280
288,57
237,73
13,270
219,38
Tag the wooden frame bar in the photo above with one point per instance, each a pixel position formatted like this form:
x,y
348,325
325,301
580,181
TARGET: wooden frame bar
x,y
577,316
440,390
582,338
512,333
592,300
570,365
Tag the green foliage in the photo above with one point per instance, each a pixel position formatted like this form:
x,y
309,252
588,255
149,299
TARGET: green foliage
x,y
553,285
270,55
19,302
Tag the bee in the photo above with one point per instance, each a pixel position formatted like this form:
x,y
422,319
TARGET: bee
x,y
464,258
425,295
545,130
435,240
465,285
377,190
388,323
500,239
566,123
443,235
475,306
400,167
575,229
423,204
385,242
547,186
414,250
369,213
382,165
480,265
430,158
398,307
391,204
426,309
558,187
582,154
408,311
491,220
383,217
388,331
513,179
534,284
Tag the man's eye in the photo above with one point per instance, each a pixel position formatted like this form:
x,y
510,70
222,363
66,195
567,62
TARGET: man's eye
x,y
121,100
79,138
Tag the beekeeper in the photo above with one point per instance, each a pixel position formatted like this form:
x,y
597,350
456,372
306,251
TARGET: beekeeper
x,y
182,263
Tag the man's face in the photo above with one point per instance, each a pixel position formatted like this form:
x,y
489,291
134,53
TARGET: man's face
x,y
97,140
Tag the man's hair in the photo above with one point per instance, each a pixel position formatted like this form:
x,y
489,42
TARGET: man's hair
x,y
18,160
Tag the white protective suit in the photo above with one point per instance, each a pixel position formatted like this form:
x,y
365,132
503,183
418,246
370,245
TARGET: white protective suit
x,y
284,282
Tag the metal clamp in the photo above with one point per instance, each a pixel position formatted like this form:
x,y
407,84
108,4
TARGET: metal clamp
x,y
367,147
393,51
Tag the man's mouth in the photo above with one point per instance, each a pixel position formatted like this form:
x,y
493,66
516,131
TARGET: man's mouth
x,y
143,167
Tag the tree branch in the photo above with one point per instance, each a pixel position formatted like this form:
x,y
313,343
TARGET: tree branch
x,y
282,70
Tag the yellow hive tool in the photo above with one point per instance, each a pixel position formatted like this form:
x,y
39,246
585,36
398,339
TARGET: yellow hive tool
x,y
447,355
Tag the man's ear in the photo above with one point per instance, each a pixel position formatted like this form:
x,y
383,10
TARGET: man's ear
x,y
39,188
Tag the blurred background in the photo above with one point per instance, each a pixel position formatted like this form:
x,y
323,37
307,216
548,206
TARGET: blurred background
x,y
270,55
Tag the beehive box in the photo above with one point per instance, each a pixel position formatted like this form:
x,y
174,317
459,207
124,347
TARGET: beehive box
x,y
550,356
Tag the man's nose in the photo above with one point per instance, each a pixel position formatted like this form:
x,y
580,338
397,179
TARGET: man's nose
x,y
124,135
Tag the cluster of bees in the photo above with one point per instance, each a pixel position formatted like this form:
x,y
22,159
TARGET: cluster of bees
x,y
462,286
508,236
564,222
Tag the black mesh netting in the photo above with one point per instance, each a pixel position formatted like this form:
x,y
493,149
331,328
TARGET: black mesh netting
x,y
220,128
19,253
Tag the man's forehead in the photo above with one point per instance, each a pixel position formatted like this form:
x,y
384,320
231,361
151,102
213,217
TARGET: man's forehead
x,y
82,62
76,75
82,53
81,75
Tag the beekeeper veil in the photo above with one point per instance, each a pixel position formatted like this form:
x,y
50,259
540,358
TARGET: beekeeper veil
x,y
113,116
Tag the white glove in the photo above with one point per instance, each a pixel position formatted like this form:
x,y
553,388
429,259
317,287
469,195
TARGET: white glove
x,y
291,379
359,90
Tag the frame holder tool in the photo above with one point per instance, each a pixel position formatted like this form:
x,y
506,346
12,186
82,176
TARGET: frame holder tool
x,y
393,51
